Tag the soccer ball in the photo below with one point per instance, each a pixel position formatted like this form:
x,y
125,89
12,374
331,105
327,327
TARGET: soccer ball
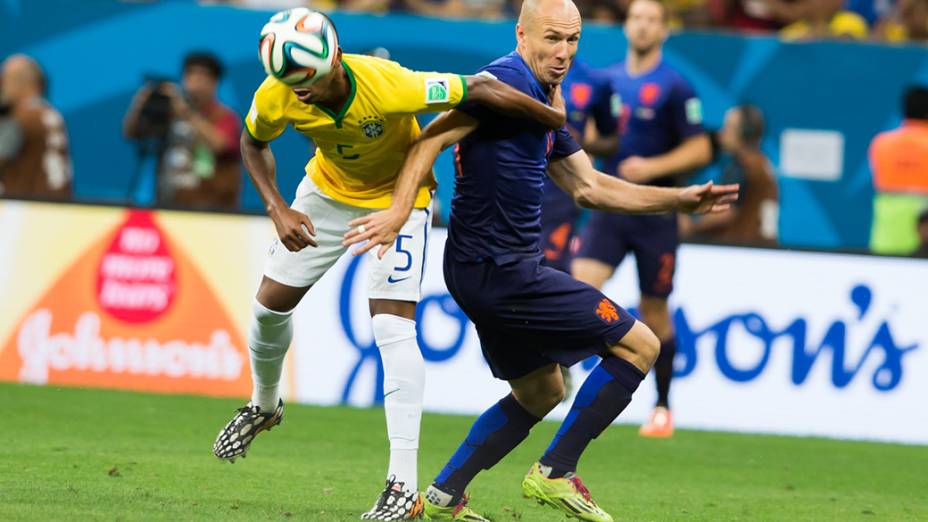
x,y
298,46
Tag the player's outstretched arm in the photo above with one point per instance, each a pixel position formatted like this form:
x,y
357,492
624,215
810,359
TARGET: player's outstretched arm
x,y
510,101
294,228
593,189
694,153
381,228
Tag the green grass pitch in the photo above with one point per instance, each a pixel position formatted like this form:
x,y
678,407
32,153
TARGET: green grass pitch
x,y
68,454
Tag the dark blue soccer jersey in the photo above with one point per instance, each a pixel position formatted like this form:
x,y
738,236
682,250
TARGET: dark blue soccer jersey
x,y
660,111
501,168
587,94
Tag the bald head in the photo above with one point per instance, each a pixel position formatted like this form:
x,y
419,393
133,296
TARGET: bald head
x,y
548,33
22,78
533,10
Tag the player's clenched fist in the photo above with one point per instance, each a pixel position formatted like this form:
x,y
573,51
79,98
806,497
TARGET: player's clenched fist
x,y
294,229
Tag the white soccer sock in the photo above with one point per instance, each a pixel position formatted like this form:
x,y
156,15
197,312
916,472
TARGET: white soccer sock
x,y
403,386
268,340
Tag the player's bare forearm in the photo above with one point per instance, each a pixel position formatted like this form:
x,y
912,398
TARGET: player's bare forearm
x,y
445,130
294,228
381,228
593,189
416,169
692,154
617,195
262,168
510,101
602,145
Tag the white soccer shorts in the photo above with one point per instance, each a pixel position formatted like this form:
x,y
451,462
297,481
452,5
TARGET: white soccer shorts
x,y
397,276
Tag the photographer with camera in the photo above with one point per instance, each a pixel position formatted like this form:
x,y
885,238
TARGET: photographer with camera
x,y
34,157
194,136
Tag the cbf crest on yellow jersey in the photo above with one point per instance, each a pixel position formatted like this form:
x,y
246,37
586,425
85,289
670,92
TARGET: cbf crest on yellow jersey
x,y
361,148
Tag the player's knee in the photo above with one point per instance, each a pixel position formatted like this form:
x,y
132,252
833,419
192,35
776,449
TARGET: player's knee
x,y
542,400
270,330
648,346
390,329
557,396
591,272
404,367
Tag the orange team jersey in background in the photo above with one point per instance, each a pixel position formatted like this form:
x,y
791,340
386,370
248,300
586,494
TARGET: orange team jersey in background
x,y
899,159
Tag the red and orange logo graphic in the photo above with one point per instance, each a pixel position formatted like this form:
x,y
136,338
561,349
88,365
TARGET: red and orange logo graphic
x,y
133,312
649,93
580,94
607,311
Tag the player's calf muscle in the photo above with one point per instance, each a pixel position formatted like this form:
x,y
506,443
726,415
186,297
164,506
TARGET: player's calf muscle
x,y
404,309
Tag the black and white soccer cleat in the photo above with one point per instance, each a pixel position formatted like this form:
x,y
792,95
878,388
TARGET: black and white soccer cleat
x,y
235,438
395,503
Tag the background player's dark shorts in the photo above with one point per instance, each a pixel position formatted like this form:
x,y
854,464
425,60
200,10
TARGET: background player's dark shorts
x,y
654,240
529,316
559,215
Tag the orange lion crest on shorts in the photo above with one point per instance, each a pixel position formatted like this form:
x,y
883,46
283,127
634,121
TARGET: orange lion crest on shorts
x,y
607,312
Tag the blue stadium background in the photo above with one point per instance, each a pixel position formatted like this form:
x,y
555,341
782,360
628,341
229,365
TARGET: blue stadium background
x,y
97,55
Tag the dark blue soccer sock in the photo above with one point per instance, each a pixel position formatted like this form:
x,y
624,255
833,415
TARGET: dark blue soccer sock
x,y
495,433
663,371
604,394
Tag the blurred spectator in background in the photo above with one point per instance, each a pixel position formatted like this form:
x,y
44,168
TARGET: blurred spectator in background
x,y
823,19
922,230
34,157
197,137
899,160
870,10
757,15
690,13
275,4
475,9
755,216
608,12
906,21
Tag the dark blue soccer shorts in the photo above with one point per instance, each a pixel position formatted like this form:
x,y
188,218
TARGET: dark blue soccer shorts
x,y
529,316
559,215
653,239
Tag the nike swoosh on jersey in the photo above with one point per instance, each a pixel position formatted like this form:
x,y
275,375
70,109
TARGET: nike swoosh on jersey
x,y
391,280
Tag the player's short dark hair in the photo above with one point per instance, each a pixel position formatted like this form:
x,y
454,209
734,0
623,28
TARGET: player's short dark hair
x,y
752,123
206,60
915,103
665,9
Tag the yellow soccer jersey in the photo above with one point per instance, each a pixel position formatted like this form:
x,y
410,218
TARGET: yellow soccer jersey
x,y
361,149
